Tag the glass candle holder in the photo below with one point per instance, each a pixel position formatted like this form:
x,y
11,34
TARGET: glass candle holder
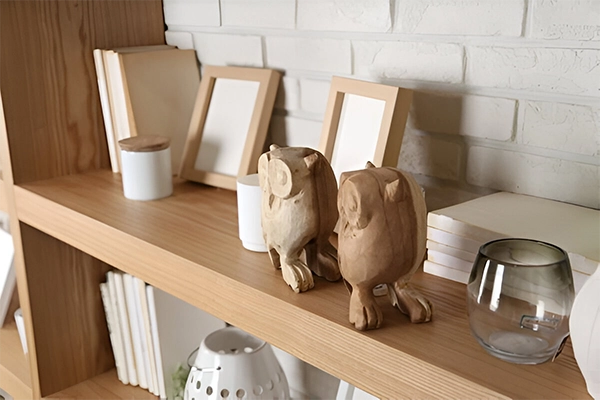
x,y
519,298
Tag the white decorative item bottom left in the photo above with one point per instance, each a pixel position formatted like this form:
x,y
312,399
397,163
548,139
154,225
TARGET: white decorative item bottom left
x,y
232,364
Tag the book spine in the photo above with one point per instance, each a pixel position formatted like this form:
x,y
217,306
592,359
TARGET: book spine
x,y
119,348
135,330
127,339
106,113
148,331
145,345
111,330
156,342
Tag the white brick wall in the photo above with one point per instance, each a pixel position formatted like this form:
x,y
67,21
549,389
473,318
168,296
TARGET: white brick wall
x,y
566,19
219,49
559,126
259,13
288,95
569,71
477,116
459,17
346,15
314,95
292,131
427,155
512,80
323,55
192,12
436,62
518,172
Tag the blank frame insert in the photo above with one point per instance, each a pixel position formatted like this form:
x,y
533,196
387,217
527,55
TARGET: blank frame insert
x,y
230,112
229,124
357,134
364,121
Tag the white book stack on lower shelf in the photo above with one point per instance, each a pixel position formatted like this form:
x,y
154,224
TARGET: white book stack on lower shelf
x,y
454,234
152,333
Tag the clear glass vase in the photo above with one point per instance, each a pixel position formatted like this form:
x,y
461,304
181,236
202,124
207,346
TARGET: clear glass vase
x,y
519,297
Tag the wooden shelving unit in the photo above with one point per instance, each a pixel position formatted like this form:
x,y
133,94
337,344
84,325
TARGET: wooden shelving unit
x,y
3,205
71,224
187,245
14,365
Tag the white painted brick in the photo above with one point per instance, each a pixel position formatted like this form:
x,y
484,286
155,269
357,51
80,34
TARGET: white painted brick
x,y
460,17
220,49
259,13
288,94
426,155
437,62
534,175
566,19
325,55
559,126
345,15
569,71
192,12
182,40
478,116
314,95
291,131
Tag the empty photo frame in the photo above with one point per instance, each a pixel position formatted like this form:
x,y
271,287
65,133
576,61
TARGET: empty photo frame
x,y
229,124
364,121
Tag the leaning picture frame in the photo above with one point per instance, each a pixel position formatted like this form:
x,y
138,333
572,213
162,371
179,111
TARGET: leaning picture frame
x,y
229,124
364,121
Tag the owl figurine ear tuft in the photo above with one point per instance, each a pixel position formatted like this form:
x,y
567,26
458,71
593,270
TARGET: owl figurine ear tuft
x,y
274,147
370,165
311,160
395,191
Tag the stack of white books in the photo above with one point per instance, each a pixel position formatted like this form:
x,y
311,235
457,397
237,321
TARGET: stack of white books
x,y
454,234
147,90
152,333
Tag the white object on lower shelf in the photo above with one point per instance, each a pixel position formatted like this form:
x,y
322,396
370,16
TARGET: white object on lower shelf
x,y
181,328
348,392
21,329
233,363
8,280
584,326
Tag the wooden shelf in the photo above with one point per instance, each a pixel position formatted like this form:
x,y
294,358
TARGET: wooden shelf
x,y
14,365
188,245
104,386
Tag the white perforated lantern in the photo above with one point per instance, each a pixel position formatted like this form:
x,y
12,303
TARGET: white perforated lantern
x,y
232,364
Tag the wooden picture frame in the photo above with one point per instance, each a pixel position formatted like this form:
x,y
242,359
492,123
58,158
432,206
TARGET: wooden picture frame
x,y
228,128
364,121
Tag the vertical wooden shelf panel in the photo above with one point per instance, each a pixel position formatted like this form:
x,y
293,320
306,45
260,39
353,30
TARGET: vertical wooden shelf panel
x,y
71,335
3,204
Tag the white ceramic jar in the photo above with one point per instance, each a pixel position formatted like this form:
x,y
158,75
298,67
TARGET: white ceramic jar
x,y
146,167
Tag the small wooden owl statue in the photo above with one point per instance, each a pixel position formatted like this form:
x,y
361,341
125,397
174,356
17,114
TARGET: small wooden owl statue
x,y
299,214
382,235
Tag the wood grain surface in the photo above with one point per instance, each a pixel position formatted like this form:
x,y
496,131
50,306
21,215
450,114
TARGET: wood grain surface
x,y
14,364
188,245
102,387
48,78
71,336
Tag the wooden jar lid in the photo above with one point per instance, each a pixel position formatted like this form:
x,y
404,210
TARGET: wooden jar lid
x,y
140,144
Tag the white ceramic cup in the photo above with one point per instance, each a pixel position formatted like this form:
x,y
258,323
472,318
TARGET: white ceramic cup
x,y
146,174
249,195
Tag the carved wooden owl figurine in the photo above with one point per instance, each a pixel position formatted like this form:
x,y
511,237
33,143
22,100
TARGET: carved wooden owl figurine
x,y
382,238
299,214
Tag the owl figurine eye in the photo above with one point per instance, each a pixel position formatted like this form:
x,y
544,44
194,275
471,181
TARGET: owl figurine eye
x,y
281,178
